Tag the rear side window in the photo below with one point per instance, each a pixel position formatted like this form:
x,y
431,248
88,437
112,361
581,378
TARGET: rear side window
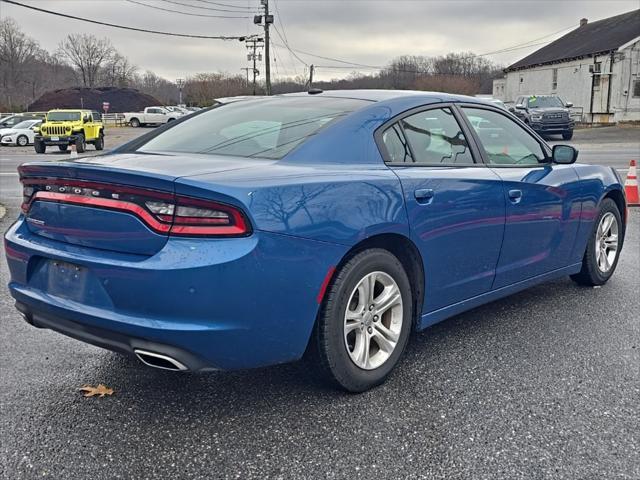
x,y
504,141
434,137
396,145
262,128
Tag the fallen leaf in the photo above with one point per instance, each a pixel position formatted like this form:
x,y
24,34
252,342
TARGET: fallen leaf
x,y
101,390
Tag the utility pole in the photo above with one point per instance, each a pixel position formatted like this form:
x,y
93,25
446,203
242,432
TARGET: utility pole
x,y
268,20
180,85
246,69
253,44
311,68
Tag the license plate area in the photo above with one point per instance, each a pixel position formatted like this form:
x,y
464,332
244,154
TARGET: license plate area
x,y
55,139
66,279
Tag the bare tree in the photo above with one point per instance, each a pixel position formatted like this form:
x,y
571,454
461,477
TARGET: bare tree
x,y
118,71
17,52
88,54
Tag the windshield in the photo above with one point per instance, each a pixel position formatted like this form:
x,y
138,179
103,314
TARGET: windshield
x,y
27,124
63,117
264,128
544,102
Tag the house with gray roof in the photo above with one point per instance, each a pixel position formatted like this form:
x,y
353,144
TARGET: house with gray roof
x,y
595,66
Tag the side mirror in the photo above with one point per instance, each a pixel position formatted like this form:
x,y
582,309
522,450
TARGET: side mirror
x,y
568,104
564,154
520,106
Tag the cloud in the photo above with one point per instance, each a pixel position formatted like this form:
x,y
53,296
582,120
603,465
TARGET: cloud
x,y
364,31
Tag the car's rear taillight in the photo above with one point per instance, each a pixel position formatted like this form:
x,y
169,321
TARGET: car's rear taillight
x,y
162,212
202,217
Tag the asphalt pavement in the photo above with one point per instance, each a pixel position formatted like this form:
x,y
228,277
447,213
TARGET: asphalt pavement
x,y
541,385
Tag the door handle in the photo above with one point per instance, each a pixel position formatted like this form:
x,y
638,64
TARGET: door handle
x,y
515,195
424,195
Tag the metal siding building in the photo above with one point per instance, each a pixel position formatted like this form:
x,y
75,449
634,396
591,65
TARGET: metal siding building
x,y
596,66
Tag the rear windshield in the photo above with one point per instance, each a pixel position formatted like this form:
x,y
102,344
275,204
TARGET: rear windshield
x,y
63,116
262,128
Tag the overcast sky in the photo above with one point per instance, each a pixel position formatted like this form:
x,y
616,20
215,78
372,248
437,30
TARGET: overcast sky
x,y
369,32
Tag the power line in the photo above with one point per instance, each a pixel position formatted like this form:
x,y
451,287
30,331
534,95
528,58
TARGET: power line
x,y
286,45
377,67
143,30
226,5
200,8
183,13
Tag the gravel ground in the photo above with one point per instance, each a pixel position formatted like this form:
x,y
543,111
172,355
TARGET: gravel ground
x,y
542,385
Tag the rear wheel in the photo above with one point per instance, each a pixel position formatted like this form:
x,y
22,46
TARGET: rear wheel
x,y
134,122
603,249
39,146
568,135
81,143
365,321
22,141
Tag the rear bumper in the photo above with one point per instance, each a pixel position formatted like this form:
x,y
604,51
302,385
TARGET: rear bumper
x,y
209,303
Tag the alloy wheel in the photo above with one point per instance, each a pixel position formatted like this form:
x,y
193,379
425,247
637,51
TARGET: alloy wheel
x,y
606,244
373,320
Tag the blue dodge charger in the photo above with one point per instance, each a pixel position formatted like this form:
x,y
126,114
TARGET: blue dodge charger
x,y
327,223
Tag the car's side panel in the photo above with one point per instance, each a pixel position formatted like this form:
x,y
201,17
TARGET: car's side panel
x,y
337,203
458,231
495,294
541,223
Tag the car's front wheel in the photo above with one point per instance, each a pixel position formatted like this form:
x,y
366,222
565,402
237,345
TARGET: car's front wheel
x,y
365,321
603,249
22,141
81,144
568,135
39,146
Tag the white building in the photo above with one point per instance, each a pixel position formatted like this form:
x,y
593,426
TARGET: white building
x,y
596,66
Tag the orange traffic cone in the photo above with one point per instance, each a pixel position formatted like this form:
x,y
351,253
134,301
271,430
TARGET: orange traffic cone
x,y
631,185
74,153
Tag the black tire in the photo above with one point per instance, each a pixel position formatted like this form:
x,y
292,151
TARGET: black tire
x,y
39,146
329,348
99,142
568,135
81,144
170,120
22,141
590,275
135,123
63,148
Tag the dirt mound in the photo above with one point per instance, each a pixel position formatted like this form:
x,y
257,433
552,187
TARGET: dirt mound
x,y
120,99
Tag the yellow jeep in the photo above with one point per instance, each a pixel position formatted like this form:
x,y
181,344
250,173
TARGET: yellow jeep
x,y
70,127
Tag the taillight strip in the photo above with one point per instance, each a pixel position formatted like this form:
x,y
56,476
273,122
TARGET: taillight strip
x,y
103,203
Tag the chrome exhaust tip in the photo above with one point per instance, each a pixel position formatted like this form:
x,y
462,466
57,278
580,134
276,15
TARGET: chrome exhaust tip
x,y
157,360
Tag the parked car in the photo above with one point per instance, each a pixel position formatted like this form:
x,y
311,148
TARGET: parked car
x,y
63,128
151,116
334,224
21,134
546,114
12,120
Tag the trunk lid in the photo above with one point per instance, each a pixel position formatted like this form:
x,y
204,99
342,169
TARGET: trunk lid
x,y
106,202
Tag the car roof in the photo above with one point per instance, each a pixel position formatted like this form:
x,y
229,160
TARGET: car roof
x,y
383,95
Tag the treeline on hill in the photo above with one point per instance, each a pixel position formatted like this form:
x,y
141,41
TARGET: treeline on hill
x,y
81,60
